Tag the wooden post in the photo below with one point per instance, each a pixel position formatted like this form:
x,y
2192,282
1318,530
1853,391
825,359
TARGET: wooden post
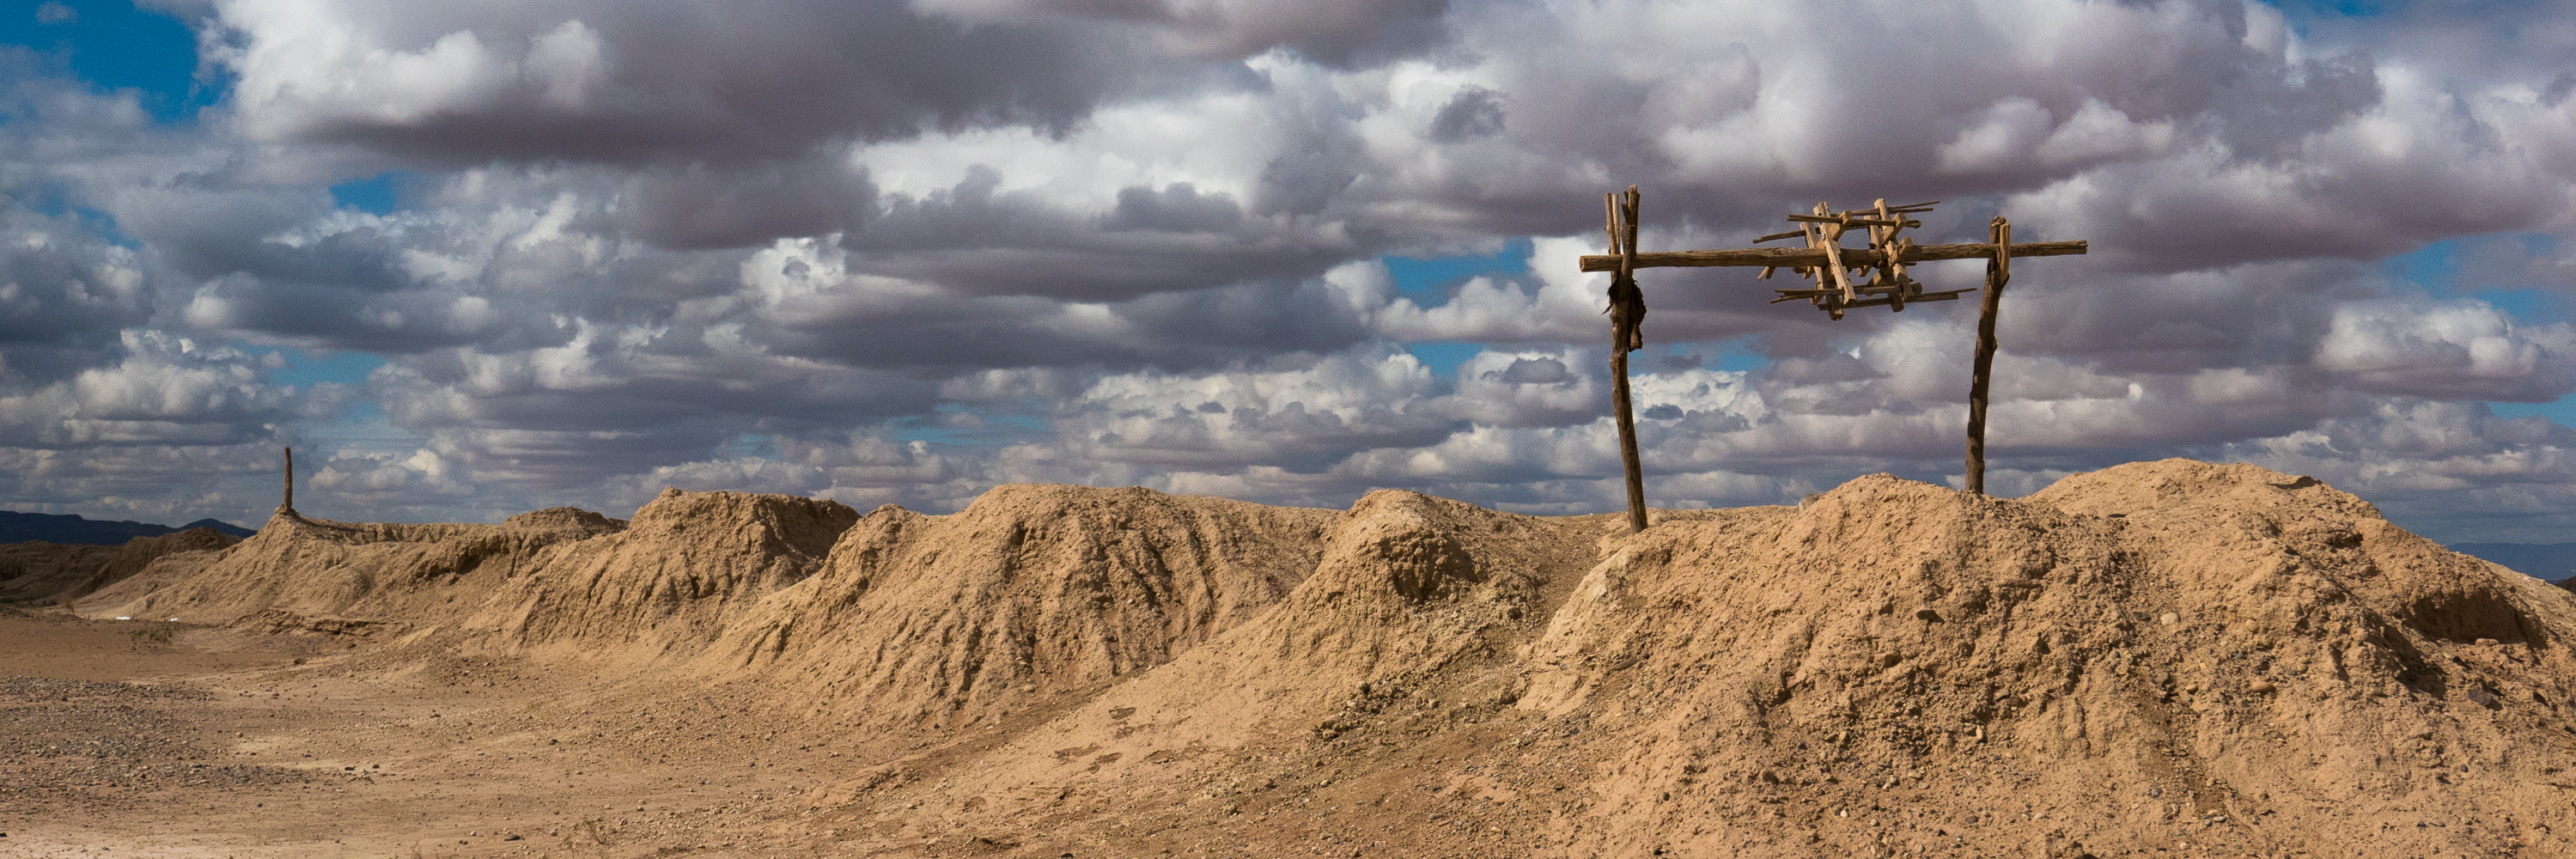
x,y
1627,309
1998,270
288,505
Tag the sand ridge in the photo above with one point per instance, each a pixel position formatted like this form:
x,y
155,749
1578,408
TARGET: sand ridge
x,y
2157,659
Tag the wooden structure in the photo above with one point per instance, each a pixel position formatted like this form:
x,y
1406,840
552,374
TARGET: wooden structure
x,y
1835,289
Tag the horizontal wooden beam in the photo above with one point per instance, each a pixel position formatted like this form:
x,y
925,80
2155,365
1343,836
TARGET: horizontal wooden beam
x,y
1795,257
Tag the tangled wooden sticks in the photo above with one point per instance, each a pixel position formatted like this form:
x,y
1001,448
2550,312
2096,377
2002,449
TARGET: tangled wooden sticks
x,y
1889,284
1834,270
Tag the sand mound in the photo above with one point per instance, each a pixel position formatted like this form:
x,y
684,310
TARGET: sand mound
x,y
2169,657
566,519
1030,590
298,567
671,578
2151,654
51,572
1412,598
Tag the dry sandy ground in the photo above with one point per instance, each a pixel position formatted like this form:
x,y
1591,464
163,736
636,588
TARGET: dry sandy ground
x,y
2157,660
218,743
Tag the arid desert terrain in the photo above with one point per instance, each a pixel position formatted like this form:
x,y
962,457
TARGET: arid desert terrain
x,y
2160,659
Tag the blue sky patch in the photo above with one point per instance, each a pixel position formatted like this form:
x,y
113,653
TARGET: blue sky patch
x,y
115,45
304,369
2561,410
2345,8
1429,281
1444,356
380,194
749,445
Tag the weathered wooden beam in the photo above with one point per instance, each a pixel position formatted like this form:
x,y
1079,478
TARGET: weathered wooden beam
x,y
1980,376
1795,257
1624,338
1849,221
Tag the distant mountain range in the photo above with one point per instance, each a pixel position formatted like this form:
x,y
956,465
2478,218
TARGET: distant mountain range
x,y
2549,562
53,528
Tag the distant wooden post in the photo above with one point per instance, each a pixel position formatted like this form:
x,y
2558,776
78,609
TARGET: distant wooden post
x,y
1627,313
288,506
1834,291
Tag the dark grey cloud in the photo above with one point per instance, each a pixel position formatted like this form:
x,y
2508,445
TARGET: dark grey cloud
x,y
1474,112
1318,158
639,83
1334,33
1534,371
1177,330
617,399
1178,208
66,294
698,205
977,239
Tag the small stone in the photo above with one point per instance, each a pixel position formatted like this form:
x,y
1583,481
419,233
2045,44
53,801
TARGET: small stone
x,y
2486,642
2262,686
2170,618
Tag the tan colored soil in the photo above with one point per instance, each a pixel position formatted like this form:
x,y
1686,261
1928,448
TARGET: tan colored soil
x,y
2159,660
51,573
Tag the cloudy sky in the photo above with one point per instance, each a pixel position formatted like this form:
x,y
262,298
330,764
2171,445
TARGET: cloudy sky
x,y
478,257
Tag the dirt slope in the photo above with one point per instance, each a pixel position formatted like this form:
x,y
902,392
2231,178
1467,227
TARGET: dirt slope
x,y
55,572
686,565
1409,597
2135,659
2158,659
1030,591
299,568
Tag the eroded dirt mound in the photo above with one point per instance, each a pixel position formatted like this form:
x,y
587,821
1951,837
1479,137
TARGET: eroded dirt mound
x,y
566,518
1029,591
687,563
316,568
2169,658
1411,597
54,573
2152,655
